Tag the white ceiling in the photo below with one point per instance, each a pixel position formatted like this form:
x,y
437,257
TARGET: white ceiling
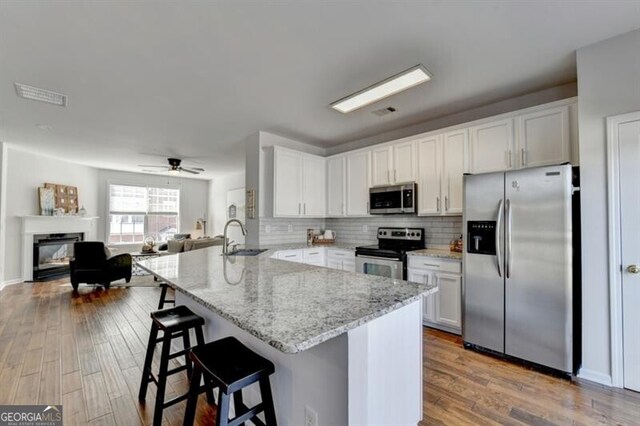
x,y
193,78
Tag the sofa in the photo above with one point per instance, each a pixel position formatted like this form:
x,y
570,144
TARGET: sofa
x,y
188,244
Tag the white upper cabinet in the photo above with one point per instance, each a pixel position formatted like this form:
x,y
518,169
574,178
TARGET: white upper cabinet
x,y
381,166
404,162
357,187
287,191
429,164
543,137
442,163
491,146
336,182
314,195
392,164
454,149
299,187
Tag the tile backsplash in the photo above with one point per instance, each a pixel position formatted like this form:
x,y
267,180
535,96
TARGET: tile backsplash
x,y
439,230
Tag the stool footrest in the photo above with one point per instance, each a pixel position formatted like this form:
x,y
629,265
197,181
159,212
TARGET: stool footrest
x,y
173,336
179,353
177,370
248,413
175,400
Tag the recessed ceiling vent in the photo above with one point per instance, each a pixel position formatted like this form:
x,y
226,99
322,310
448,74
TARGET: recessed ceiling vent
x,y
383,111
42,95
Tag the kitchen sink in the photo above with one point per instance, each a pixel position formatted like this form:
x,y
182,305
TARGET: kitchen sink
x,y
246,252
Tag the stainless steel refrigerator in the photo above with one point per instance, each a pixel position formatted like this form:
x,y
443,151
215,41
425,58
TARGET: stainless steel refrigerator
x,y
518,259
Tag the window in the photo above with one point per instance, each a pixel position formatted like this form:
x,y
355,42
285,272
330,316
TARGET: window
x,y
136,212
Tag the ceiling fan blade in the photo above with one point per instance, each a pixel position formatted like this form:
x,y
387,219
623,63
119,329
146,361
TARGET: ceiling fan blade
x,y
193,172
155,165
198,169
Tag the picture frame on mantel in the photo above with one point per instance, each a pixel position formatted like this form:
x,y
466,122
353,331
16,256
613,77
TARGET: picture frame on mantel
x,y
65,197
46,198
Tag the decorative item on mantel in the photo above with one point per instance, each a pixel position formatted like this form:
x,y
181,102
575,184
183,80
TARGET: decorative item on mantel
x,y
58,200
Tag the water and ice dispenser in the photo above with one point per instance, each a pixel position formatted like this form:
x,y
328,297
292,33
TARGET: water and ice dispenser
x,y
481,237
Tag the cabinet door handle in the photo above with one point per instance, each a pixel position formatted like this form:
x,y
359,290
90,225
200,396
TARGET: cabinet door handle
x,y
438,204
430,265
304,206
290,256
368,210
510,162
523,153
388,176
446,203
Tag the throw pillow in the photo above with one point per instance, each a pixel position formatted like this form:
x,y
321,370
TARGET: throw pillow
x,y
175,246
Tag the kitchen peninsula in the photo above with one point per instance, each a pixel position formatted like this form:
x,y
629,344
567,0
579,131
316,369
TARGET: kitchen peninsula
x,y
346,346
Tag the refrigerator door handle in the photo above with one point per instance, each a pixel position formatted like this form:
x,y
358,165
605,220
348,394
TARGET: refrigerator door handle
x,y
508,254
498,227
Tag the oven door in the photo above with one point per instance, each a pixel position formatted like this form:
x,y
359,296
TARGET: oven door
x,y
383,267
385,200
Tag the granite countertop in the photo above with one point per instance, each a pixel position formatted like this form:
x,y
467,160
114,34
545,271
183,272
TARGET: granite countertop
x,y
290,306
440,253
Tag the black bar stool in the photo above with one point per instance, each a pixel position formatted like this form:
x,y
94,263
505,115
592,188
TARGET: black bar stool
x,y
163,296
174,323
231,366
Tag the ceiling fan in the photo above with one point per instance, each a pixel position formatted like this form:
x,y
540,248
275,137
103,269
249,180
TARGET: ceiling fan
x,y
174,167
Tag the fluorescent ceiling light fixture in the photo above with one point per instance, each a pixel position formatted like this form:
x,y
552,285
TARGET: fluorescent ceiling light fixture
x,y
42,95
383,89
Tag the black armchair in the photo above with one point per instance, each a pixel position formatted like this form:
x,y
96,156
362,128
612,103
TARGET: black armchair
x,y
93,265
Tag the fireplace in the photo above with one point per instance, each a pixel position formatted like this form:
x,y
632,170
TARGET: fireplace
x,y
51,254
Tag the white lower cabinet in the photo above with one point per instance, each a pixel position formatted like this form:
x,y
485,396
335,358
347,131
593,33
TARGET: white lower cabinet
x,y
443,309
344,260
341,259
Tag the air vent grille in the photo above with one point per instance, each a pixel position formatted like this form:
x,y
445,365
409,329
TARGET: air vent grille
x,y
42,95
383,111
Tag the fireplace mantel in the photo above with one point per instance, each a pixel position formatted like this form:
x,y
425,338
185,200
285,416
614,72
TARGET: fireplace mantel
x,y
32,225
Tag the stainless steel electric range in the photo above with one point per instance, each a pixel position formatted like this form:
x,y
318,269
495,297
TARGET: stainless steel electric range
x,y
389,257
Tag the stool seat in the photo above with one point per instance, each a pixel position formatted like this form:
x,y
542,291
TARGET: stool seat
x,y
231,364
178,318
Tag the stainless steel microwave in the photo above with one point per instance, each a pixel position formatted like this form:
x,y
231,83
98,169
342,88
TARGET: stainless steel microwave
x,y
393,199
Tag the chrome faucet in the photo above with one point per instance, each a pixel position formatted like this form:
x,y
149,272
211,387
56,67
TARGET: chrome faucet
x,y
225,244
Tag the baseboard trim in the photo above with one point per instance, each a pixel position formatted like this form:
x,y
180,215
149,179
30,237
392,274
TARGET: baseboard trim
x,y
595,376
10,282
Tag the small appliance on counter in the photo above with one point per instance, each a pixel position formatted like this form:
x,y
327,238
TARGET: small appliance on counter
x,y
393,199
389,257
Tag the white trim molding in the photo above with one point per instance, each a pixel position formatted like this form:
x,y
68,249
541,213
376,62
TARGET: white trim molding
x,y
10,282
595,376
615,263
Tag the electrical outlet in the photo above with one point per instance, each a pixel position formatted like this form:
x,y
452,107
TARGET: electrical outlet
x,y
267,229
290,228
310,417
365,228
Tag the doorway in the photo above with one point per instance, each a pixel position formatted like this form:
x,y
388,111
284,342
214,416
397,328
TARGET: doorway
x,y
623,138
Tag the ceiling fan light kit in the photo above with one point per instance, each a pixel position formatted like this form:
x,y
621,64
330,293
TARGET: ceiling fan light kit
x,y
174,167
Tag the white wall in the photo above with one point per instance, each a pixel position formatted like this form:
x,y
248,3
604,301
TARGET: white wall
x,y
218,188
193,198
608,84
25,172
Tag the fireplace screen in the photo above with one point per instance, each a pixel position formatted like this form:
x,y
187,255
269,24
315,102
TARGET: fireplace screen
x,y
52,253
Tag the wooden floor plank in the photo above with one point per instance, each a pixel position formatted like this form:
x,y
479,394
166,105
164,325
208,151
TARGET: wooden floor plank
x,y
85,350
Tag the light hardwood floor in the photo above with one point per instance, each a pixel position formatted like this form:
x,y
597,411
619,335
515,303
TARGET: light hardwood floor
x,y
85,351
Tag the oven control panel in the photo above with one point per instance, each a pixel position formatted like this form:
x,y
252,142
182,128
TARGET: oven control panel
x,y
411,234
